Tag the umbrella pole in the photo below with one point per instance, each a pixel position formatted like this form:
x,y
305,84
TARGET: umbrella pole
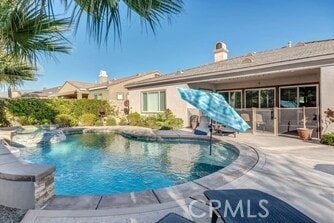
x,y
211,137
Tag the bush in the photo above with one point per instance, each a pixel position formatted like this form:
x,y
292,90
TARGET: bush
x,y
123,121
88,119
111,121
64,120
150,122
167,120
98,123
328,139
163,121
134,119
31,111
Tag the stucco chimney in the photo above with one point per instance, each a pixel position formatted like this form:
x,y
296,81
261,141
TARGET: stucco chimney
x,y
103,77
220,52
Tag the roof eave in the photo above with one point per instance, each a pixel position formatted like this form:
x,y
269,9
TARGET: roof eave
x,y
272,67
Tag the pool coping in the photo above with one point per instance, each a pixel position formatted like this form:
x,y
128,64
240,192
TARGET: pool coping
x,y
247,159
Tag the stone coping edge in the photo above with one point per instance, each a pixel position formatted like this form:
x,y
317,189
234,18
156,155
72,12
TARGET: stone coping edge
x,y
14,169
247,159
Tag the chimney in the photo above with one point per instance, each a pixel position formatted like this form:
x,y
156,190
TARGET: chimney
x,y
103,77
220,52
290,44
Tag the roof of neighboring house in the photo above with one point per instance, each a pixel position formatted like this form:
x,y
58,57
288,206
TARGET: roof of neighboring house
x,y
46,92
308,50
79,84
121,80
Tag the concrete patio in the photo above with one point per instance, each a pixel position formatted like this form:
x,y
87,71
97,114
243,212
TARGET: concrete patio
x,y
298,172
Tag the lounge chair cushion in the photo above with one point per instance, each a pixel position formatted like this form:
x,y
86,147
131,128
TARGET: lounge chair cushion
x,y
200,131
174,218
276,209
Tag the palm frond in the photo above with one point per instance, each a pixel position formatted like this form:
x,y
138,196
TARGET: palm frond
x,y
103,16
27,33
13,71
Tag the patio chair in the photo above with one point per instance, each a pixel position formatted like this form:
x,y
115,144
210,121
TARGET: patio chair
x,y
225,130
203,127
247,205
174,218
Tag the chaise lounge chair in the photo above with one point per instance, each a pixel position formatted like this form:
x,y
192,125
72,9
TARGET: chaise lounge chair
x,y
174,218
225,130
247,205
203,127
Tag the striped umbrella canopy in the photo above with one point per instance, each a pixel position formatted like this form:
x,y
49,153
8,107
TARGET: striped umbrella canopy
x,y
215,107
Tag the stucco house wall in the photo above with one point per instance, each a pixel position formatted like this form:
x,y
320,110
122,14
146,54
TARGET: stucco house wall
x,y
104,92
67,87
180,108
326,96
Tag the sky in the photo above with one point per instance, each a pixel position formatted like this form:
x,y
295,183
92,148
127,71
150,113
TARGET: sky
x,y
189,39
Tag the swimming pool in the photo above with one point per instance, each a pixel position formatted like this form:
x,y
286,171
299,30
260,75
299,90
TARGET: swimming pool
x,y
107,163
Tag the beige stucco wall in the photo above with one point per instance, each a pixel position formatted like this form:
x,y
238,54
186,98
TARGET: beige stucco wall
x,y
326,95
67,87
104,92
173,101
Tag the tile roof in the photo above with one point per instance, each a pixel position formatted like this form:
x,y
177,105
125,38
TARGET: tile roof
x,y
124,79
268,57
80,84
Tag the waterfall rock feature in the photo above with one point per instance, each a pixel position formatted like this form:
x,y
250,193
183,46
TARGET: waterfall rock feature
x,y
38,137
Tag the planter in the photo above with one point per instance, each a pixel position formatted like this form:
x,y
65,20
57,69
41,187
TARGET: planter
x,y
194,121
305,133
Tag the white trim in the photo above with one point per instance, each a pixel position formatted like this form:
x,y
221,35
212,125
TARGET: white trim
x,y
259,90
229,95
298,86
153,91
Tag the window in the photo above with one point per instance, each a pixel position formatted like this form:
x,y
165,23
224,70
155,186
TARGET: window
x,y
260,98
120,96
154,101
98,96
232,97
299,96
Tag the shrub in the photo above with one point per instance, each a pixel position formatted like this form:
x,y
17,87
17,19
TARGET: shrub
x,y
31,110
88,119
150,122
328,139
134,119
64,120
167,120
123,121
111,121
98,123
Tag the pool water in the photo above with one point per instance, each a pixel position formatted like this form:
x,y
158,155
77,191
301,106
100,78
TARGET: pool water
x,y
99,164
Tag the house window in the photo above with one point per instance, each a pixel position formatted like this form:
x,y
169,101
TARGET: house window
x,y
98,96
154,101
120,96
232,97
260,98
299,96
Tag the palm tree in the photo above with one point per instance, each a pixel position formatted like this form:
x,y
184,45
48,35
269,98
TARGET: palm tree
x,y
26,34
104,16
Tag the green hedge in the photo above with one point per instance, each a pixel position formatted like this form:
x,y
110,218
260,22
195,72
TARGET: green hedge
x,y
164,121
328,139
31,111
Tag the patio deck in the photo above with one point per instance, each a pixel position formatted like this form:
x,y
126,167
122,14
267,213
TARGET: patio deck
x,y
298,172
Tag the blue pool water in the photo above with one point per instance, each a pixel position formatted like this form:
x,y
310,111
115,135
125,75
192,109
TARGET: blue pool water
x,y
110,163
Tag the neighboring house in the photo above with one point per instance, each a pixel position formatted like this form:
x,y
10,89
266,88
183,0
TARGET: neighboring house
x,y
74,90
114,91
267,88
45,93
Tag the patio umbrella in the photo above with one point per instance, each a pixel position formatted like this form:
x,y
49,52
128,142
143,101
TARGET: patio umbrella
x,y
215,107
